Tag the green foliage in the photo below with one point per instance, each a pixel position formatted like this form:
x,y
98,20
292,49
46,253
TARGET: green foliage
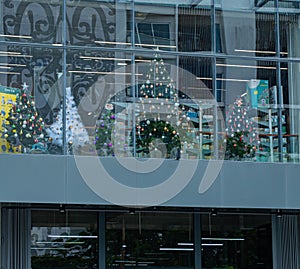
x,y
24,127
237,148
152,135
103,134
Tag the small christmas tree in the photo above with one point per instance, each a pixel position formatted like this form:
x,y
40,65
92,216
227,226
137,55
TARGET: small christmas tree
x,y
76,134
104,131
24,128
157,135
242,138
158,83
237,149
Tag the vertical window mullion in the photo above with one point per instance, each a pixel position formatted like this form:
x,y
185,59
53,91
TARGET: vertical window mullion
x,y
278,82
197,241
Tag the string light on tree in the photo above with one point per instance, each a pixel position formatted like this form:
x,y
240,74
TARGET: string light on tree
x,y
24,128
158,83
104,140
157,135
76,134
242,137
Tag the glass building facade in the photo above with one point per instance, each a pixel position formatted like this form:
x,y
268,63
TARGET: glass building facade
x,y
71,238
204,79
136,84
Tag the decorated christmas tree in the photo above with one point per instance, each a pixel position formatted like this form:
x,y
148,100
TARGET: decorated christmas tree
x,y
157,136
242,138
24,128
162,127
158,83
76,134
104,142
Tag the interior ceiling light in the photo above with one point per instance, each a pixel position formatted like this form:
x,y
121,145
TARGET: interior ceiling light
x,y
248,66
103,58
17,65
155,46
260,51
222,239
15,55
69,243
10,52
136,44
100,73
185,244
112,43
251,66
10,73
72,236
177,249
17,36
112,59
212,244
225,79
39,248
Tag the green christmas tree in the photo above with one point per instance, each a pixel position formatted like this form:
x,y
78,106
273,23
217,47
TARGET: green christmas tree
x,y
24,128
237,149
242,138
158,83
104,132
157,136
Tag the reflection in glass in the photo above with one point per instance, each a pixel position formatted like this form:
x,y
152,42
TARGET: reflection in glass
x,y
236,241
99,24
290,112
29,92
289,33
64,240
149,239
99,82
241,30
155,29
196,95
252,110
194,28
31,22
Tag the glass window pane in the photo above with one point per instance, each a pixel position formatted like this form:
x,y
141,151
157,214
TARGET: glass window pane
x,y
251,109
155,26
195,27
290,113
236,241
198,101
289,30
145,33
99,81
99,23
64,240
290,6
244,29
31,22
157,134
175,109
149,239
30,91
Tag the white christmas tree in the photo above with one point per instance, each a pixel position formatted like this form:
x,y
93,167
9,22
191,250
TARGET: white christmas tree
x,y
76,134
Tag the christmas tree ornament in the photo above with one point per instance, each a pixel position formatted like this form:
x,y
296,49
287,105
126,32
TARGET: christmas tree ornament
x,y
241,137
21,135
76,134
